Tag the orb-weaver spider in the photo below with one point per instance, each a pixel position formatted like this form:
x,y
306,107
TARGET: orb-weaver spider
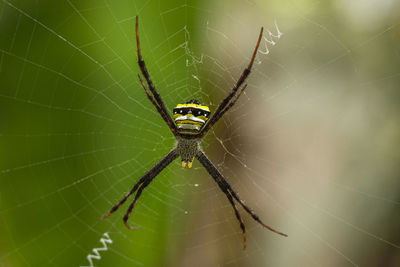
x,y
191,125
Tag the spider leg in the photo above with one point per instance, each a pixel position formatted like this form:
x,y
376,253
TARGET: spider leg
x,y
150,175
122,201
250,211
237,215
229,196
216,116
223,183
230,104
128,212
162,108
151,98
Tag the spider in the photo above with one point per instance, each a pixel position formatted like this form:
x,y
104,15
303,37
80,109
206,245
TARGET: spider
x,y
191,123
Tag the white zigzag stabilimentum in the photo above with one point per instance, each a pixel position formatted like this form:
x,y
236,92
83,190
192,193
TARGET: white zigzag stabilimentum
x,y
96,254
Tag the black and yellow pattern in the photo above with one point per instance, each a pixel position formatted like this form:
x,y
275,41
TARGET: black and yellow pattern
x,y
191,116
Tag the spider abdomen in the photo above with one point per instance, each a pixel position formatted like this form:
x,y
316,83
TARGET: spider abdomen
x,y
190,116
187,149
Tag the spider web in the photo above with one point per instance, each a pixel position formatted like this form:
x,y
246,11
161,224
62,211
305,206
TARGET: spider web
x,y
311,146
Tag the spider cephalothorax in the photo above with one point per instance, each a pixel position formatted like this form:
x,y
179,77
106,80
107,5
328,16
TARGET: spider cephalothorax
x,y
191,123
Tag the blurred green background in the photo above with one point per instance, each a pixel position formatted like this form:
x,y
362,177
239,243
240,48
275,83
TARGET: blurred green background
x,y
312,146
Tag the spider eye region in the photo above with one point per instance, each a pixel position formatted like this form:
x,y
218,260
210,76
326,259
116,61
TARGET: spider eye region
x,y
190,116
